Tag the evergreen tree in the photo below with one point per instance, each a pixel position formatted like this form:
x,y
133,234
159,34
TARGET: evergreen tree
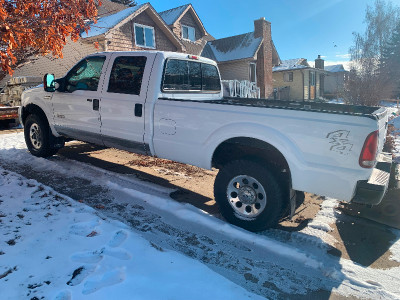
x,y
390,62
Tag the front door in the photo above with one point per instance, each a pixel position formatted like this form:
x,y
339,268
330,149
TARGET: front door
x,y
76,103
122,107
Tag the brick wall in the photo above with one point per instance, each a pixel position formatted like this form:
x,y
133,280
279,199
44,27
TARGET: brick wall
x,y
262,28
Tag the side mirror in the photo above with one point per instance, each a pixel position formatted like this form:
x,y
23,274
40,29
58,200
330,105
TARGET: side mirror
x,y
49,82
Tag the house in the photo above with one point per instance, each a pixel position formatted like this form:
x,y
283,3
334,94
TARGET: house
x,y
335,81
295,79
247,57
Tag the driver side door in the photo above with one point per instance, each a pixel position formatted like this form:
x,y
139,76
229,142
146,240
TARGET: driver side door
x,y
76,104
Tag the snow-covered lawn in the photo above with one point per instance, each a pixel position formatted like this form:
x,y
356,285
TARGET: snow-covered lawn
x,y
56,247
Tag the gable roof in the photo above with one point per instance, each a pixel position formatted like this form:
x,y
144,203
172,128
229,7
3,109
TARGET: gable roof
x,y
107,23
171,15
335,68
232,48
110,22
292,64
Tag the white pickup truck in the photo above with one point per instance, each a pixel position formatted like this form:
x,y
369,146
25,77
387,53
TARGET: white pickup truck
x,y
171,105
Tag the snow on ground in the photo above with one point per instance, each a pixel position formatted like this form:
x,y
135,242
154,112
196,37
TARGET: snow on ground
x,y
57,248
66,250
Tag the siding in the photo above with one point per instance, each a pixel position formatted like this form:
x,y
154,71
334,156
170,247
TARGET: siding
x,y
122,38
296,86
40,65
238,70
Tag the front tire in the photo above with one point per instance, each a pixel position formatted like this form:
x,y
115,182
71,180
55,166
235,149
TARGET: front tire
x,y
37,136
248,195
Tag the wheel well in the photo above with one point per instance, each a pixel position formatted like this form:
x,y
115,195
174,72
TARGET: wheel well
x,y
32,109
250,148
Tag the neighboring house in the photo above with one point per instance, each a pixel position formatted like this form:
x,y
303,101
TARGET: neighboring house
x,y
295,79
335,81
248,56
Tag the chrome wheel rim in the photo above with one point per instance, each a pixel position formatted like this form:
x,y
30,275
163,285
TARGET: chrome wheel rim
x,y
35,136
247,196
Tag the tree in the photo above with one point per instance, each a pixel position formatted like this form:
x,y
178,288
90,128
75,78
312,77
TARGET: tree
x,y
390,62
41,27
368,83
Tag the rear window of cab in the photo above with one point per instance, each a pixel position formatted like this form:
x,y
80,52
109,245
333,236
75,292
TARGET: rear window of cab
x,y
190,76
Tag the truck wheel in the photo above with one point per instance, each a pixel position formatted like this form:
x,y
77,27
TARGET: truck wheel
x,y
37,137
248,195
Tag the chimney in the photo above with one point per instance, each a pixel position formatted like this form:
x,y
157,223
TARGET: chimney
x,y
319,63
262,29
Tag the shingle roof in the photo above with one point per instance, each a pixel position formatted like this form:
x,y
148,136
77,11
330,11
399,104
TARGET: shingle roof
x,y
292,64
335,68
171,15
232,48
104,24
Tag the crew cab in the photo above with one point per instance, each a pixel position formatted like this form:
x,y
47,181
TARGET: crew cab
x,y
171,105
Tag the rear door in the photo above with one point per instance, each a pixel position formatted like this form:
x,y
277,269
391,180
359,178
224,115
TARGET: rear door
x,y
123,98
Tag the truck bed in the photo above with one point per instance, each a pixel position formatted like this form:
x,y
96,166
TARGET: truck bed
x,y
366,111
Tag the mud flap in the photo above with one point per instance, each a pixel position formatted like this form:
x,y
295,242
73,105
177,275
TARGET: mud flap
x,y
292,203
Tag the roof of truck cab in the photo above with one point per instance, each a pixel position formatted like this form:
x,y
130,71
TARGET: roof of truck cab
x,y
165,54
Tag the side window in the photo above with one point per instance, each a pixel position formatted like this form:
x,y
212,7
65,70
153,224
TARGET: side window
x,y
210,78
85,75
288,76
127,74
183,75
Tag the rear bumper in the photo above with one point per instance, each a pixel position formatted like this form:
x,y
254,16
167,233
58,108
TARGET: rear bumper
x,y
371,191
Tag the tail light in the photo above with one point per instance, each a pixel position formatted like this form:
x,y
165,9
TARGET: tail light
x,y
368,152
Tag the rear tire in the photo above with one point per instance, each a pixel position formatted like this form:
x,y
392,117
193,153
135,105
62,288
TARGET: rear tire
x,y
248,195
37,136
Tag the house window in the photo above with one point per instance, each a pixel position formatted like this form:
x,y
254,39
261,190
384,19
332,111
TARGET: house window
x,y
188,33
183,75
253,75
288,76
144,36
312,78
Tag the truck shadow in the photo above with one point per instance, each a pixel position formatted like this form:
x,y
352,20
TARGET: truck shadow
x,y
365,241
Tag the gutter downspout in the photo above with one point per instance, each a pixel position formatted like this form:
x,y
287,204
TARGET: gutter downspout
x,y
302,75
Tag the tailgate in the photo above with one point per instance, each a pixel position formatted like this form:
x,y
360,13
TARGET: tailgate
x,y
382,116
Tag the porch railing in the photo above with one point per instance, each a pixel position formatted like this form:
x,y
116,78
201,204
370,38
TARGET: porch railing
x,y
241,88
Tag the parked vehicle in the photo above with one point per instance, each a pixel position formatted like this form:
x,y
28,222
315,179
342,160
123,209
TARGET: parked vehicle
x,y
10,96
170,105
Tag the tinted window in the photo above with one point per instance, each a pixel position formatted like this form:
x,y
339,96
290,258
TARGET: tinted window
x,y
182,75
194,75
85,75
176,75
127,74
210,78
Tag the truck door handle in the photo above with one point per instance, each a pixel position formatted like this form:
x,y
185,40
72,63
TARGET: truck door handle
x,y
138,110
96,104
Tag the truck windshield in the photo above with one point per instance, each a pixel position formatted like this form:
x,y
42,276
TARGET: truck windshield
x,y
184,75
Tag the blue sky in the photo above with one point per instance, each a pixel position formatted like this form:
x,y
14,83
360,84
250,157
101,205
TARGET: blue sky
x,y
300,28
